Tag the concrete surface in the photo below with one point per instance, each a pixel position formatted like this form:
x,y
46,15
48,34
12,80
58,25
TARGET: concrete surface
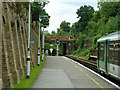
x,y
61,72
53,78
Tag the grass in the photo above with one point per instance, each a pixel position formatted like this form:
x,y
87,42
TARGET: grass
x,y
27,83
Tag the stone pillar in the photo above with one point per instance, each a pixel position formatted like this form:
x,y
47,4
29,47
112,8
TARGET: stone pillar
x,y
24,37
26,28
32,48
23,63
19,58
10,45
6,75
36,45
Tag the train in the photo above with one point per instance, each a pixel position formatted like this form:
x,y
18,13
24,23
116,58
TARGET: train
x,y
108,58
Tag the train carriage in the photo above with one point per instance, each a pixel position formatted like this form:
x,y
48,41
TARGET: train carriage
x,y
109,54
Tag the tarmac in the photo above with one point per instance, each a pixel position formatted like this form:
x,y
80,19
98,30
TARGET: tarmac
x,y
62,72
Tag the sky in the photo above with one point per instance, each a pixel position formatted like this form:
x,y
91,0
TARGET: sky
x,y
61,10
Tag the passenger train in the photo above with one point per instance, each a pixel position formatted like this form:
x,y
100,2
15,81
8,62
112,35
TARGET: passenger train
x,y
108,61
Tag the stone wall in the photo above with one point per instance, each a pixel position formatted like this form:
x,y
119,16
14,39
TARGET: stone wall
x,y
0,45
13,45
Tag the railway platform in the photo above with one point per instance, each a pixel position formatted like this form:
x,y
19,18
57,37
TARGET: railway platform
x,y
62,72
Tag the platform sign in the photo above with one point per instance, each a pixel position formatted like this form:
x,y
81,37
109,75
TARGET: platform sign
x,y
32,42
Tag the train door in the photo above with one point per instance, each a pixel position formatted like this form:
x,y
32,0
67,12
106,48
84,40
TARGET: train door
x,y
101,56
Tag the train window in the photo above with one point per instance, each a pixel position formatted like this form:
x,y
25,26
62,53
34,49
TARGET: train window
x,y
114,50
101,51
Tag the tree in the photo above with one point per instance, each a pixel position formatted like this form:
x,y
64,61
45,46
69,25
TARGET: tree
x,y
65,26
75,29
85,13
92,29
38,9
53,33
109,9
96,16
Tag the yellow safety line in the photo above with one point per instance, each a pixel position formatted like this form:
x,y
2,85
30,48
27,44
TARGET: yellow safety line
x,y
88,76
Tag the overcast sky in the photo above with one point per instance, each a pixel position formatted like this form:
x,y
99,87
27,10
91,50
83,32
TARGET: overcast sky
x,y
61,10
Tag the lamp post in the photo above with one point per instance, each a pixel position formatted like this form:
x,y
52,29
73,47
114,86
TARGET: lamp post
x,y
39,40
57,42
57,49
28,57
43,43
39,43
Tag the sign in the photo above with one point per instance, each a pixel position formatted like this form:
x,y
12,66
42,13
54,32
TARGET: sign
x,y
32,42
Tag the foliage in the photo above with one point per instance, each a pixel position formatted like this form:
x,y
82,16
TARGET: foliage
x,y
80,40
38,9
109,9
53,33
92,29
47,46
85,13
60,32
64,29
20,8
91,26
103,22
47,39
65,26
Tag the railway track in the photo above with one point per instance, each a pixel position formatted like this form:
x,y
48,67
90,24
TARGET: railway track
x,y
93,66
90,64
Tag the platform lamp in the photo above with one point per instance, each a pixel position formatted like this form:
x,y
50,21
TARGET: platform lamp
x,y
39,38
43,42
28,57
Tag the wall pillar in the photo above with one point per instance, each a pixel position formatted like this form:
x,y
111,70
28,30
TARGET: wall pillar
x,y
10,45
6,75
23,63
